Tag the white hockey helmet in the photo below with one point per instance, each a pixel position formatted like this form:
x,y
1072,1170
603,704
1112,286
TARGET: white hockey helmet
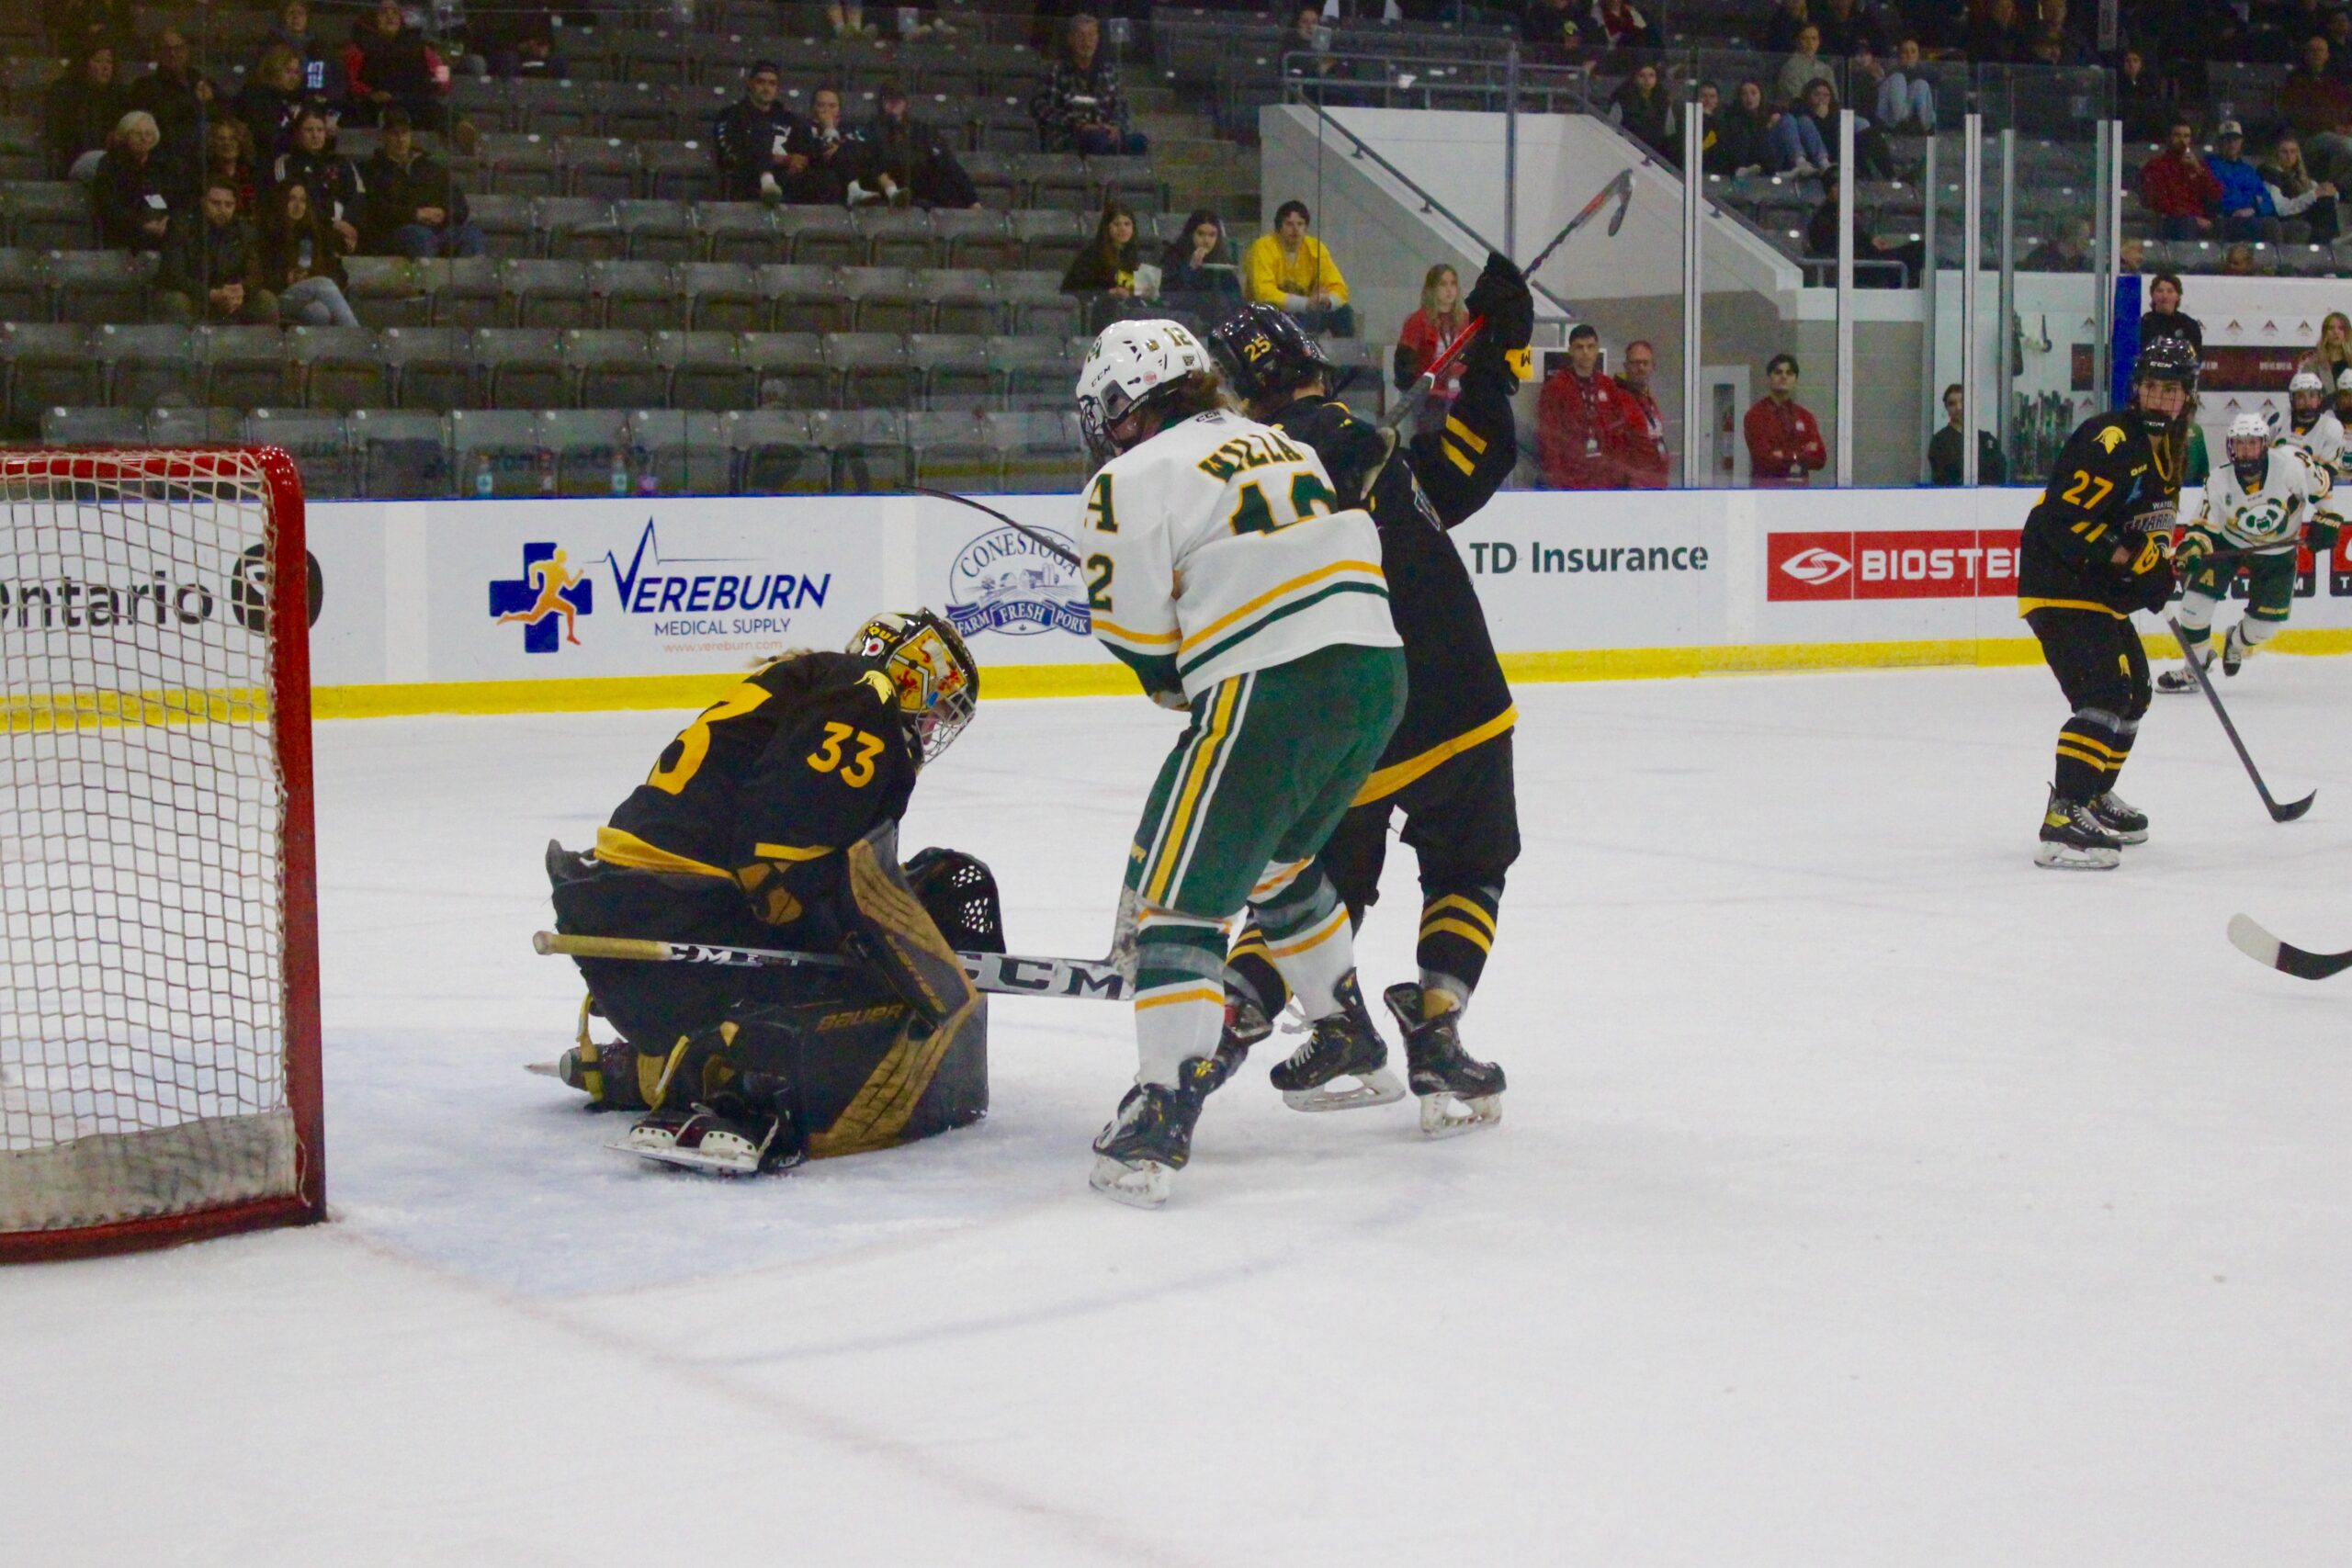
x,y
1128,365
2307,381
2344,379
2251,427
2306,393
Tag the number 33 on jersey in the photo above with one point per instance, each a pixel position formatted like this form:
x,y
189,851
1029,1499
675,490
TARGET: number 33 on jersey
x,y
1217,547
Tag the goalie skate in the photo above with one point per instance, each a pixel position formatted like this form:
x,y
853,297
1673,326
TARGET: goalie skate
x,y
701,1140
1148,1142
1343,1044
1458,1093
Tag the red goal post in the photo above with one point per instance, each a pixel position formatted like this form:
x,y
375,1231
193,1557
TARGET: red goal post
x,y
159,983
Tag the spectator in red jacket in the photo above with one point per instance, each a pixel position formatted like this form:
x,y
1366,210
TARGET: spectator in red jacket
x,y
1582,420
1785,445
1645,458
2178,188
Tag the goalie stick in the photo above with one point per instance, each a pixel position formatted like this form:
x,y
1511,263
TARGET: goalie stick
x,y
2278,813
1007,974
2268,951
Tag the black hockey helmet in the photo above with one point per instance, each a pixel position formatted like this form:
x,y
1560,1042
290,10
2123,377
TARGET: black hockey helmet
x,y
1267,354
2167,359
938,682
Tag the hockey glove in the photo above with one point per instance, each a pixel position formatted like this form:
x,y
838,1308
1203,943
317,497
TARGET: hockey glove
x,y
1501,299
2191,552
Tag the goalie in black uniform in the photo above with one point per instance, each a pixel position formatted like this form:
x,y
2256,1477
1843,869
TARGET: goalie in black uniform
x,y
1448,766
772,821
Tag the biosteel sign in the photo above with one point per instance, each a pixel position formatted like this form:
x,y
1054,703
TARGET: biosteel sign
x,y
1922,563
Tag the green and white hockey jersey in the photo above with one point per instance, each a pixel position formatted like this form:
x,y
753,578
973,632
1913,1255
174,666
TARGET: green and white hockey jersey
x,y
2324,440
2270,517
1217,547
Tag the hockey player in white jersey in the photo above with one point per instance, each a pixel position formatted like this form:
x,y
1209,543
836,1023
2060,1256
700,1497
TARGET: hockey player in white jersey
x,y
1221,570
2255,507
2311,425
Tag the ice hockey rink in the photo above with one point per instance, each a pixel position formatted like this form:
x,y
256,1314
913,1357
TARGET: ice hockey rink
x,y
1865,1195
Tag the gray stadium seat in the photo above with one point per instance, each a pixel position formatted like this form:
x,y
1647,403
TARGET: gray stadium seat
x,y
546,293
1050,238
805,298
24,286
1037,372
961,301
632,112
638,294
684,449
578,228
1043,452
243,367
1057,180
93,427
898,237
602,166
509,227
519,165
318,442
194,427
722,296
866,448
771,452
502,444
551,108
1130,182
147,365
521,367
432,367
678,171
591,450
99,286
658,231
978,240
994,179
822,236
955,451
787,369
612,369
883,299
954,371
388,291
46,365
871,370
465,291
1037,305
742,231
705,370
50,215
402,454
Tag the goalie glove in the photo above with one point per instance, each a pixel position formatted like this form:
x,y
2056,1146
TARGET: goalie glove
x,y
1502,300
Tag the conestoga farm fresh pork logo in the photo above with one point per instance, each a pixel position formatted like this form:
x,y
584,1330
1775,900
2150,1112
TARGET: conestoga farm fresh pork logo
x,y
1006,581
1946,563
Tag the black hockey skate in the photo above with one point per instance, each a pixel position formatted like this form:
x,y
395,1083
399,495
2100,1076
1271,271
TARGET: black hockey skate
x,y
2119,817
2074,840
1148,1140
2234,648
747,1131
1244,1024
1458,1092
1345,1044
2173,682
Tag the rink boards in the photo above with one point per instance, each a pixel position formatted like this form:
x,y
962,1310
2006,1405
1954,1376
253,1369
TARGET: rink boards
x,y
516,606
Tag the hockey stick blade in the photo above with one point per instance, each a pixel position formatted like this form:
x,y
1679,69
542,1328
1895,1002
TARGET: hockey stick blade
x,y
2278,813
2269,952
1045,542
1006,974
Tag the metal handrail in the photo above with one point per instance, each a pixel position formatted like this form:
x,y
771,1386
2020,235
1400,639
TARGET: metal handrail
x,y
1362,149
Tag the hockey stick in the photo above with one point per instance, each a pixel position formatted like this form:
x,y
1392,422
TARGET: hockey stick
x,y
1621,187
2278,813
2268,951
1011,974
1042,541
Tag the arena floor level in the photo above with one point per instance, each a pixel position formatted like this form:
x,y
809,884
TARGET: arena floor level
x,y
1865,1196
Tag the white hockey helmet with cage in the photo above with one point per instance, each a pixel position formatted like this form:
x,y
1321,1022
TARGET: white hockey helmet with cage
x,y
937,679
2344,380
2251,427
1129,364
2306,381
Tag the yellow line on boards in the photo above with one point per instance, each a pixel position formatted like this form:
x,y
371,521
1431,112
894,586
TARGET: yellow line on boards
x,y
1003,681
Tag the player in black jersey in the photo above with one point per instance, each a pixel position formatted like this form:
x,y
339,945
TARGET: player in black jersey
x,y
2097,546
772,821
1448,767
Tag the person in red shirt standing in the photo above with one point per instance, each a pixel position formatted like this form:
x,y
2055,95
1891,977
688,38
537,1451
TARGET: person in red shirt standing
x,y
1784,439
1645,458
2178,188
1582,420
1429,333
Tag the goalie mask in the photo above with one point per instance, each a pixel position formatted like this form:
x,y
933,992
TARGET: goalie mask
x,y
1131,365
1266,354
938,683
2249,443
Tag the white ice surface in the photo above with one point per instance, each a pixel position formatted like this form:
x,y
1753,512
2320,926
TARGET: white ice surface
x,y
1865,1196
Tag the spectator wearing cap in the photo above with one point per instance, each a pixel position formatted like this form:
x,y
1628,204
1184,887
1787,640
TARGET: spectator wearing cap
x,y
1079,108
1291,269
823,156
414,208
908,161
751,139
2178,188
2245,210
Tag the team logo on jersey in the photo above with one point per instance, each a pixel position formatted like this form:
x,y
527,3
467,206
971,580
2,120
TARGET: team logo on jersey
x,y
1006,581
2111,438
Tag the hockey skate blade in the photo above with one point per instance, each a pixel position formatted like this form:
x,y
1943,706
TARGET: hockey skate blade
x,y
730,1156
1378,1087
2065,857
1450,1115
544,1069
1142,1185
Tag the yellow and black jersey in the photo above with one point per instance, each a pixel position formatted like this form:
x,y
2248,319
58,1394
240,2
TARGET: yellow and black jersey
x,y
2114,485
1456,694
771,783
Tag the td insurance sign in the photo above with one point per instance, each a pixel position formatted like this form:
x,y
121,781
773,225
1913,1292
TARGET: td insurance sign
x,y
1940,563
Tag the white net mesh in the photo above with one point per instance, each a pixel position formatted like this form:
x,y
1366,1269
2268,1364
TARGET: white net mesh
x,y
142,995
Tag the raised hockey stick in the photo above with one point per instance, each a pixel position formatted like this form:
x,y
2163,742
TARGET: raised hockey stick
x,y
1620,188
2265,949
1011,974
1045,542
2278,813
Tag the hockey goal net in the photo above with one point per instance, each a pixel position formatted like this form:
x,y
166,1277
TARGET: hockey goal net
x,y
159,1027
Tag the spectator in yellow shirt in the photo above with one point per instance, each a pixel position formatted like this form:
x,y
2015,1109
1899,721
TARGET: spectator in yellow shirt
x,y
1290,268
